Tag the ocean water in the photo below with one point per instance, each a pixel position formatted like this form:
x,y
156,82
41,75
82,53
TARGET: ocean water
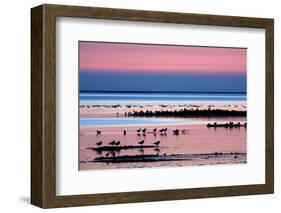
x,y
103,122
104,101
88,98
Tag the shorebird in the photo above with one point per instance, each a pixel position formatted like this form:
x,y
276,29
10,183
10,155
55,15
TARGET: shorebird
x,y
144,130
141,142
163,130
176,131
107,154
157,143
124,132
112,143
138,130
117,143
154,130
99,143
98,132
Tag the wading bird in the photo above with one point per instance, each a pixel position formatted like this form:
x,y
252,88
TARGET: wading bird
x,y
157,143
176,131
141,142
112,143
163,130
99,143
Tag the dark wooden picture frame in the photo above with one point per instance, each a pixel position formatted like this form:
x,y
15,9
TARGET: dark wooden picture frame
x,y
43,105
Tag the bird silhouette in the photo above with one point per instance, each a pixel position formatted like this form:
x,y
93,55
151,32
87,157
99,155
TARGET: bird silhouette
x,y
98,132
163,130
112,142
124,132
144,130
141,142
157,143
107,154
99,143
176,131
138,130
154,130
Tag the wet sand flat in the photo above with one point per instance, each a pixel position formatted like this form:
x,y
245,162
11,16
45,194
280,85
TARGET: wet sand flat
x,y
196,139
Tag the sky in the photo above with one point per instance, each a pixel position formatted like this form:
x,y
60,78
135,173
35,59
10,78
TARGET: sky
x,y
161,68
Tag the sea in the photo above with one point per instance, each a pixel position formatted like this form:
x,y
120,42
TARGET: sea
x,y
148,100
88,98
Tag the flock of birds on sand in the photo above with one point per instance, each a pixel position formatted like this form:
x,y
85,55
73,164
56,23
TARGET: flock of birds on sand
x,y
117,143
162,131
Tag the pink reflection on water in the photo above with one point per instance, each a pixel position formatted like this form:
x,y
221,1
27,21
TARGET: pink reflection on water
x,y
197,139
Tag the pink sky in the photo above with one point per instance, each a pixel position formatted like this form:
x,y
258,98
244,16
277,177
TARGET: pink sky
x,y
117,57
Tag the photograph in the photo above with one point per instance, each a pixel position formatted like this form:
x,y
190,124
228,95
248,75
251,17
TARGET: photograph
x,y
158,105
136,105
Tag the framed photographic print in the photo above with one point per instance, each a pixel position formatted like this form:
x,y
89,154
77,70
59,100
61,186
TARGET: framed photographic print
x,y
137,106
